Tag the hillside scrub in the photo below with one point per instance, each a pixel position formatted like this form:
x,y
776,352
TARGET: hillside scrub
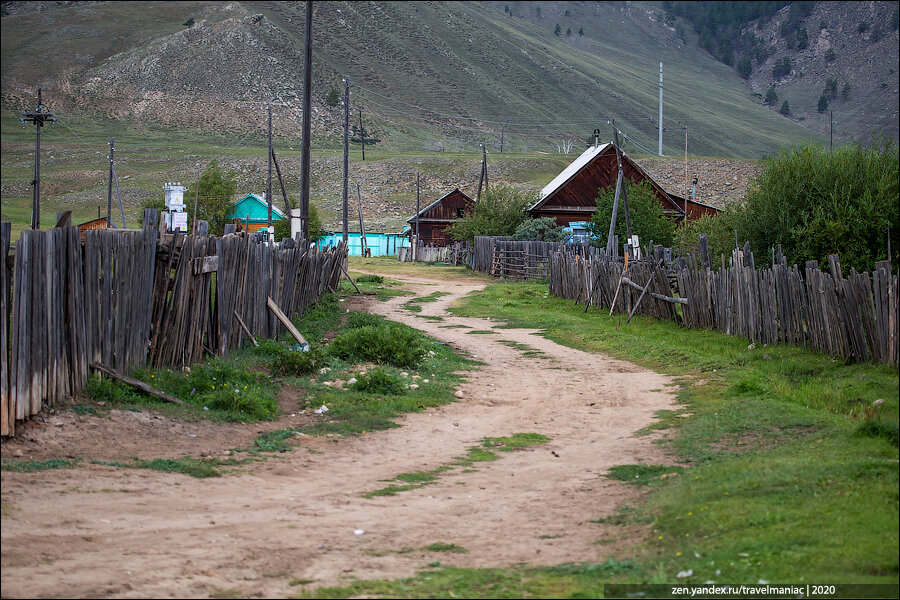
x,y
499,211
647,218
815,203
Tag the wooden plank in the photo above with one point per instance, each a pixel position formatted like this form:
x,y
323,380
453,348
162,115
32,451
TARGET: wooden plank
x,y
285,321
206,264
5,370
135,383
244,328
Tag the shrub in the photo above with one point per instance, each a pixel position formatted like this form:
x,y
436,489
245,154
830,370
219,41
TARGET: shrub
x,y
823,104
830,55
333,98
719,230
817,203
356,319
379,381
771,96
647,218
785,108
294,363
386,343
189,22
370,279
544,229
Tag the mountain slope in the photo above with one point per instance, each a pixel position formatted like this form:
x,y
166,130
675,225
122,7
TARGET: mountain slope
x,y
432,76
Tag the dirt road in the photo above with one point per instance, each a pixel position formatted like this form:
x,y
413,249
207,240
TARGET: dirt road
x,y
101,532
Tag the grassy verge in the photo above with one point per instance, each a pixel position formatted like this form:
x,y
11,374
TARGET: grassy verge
x,y
414,304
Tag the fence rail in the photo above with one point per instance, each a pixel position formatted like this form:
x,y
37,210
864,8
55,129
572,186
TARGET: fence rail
x,y
126,299
853,317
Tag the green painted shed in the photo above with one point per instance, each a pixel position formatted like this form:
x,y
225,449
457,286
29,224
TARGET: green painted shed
x,y
255,206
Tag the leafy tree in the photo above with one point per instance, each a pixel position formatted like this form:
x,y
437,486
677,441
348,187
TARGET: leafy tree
x,y
215,203
648,221
558,30
316,232
333,98
156,203
823,104
829,55
771,96
785,108
544,229
845,92
744,68
500,211
189,22
814,203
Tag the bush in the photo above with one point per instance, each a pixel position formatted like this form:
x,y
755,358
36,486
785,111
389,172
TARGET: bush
x,y
499,211
386,343
823,104
544,229
817,203
647,218
333,98
785,108
719,230
380,382
370,279
291,363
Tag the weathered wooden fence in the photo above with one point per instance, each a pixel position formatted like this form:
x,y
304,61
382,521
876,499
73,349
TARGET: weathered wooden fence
x,y
852,317
126,299
521,259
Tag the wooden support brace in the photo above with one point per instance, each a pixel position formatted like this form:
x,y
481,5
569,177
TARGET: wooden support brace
x,y
244,327
136,383
285,321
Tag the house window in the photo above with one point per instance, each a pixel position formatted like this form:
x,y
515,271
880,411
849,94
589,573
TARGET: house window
x,y
460,213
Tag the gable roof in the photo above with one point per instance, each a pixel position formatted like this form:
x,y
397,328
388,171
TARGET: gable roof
x,y
584,161
257,207
422,212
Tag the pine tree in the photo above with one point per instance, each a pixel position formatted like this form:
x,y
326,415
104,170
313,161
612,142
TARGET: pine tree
x,y
558,30
785,108
823,104
771,96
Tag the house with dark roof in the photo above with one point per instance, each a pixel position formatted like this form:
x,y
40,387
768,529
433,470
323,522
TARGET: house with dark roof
x,y
440,214
571,196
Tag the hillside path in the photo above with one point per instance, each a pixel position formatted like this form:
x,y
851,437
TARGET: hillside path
x,y
105,532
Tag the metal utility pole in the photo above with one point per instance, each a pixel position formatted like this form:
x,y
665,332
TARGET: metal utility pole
x,y
38,117
660,110
307,103
269,180
345,216
362,136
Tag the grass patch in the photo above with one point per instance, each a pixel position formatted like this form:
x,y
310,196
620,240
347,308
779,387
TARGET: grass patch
x,y
481,332
30,466
454,327
479,453
442,547
201,468
643,474
413,305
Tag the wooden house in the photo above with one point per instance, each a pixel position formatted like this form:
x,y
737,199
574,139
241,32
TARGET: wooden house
x,y
571,196
256,209
99,223
437,216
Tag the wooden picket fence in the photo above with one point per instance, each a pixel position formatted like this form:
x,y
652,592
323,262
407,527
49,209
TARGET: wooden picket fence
x,y
125,299
852,317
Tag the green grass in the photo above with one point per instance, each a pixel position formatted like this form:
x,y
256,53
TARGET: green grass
x,y
201,468
481,332
413,305
30,466
444,547
484,452
642,474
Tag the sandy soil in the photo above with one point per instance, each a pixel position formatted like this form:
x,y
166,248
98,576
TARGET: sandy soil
x,y
97,531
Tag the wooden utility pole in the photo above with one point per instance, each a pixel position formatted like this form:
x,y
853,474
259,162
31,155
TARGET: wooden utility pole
x,y
287,203
483,178
196,199
112,150
362,229
685,175
269,180
362,136
115,179
624,185
345,216
417,216
502,135
307,109
615,210
831,132
38,117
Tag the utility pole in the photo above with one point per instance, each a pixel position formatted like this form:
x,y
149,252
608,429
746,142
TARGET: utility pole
x,y
307,108
417,212
344,214
685,175
38,117
362,136
624,185
269,180
112,151
502,135
660,110
484,166
480,177
362,229
831,134
615,210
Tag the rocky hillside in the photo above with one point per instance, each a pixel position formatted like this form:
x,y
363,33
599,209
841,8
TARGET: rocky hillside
x,y
853,44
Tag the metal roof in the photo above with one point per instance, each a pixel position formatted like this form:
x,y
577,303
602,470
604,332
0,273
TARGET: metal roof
x,y
570,171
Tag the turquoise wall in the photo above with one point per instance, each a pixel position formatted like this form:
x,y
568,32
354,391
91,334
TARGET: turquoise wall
x,y
381,244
